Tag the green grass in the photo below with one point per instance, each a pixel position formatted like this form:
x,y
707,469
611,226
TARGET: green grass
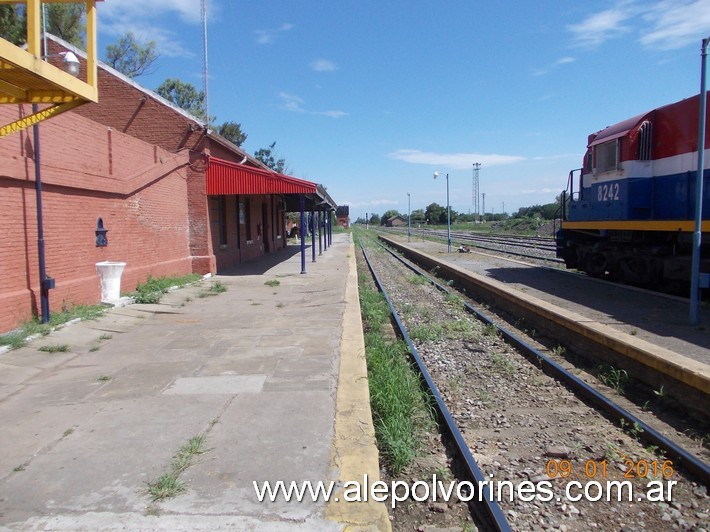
x,y
54,348
215,288
612,377
169,484
153,289
18,338
427,332
272,283
401,410
417,280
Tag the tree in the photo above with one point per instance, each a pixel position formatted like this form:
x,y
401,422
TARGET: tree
x,y
12,25
130,57
436,214
233,133
375,219
185,96
268,157
67,22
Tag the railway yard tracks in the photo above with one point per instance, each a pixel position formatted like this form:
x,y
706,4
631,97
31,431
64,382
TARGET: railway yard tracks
x,y
523,421
537,248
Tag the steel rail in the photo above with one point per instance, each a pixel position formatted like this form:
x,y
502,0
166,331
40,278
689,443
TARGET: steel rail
x,y
493,510
505,252
584,391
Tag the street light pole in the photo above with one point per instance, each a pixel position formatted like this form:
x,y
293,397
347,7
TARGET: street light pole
x,y
409,217
448,210
697,234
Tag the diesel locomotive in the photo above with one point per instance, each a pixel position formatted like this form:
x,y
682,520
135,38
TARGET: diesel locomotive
x,y
629,213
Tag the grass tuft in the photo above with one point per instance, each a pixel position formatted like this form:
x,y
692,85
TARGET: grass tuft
x,y
54,348
153,289
169,485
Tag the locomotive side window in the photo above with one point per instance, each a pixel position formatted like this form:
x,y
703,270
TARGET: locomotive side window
x,y
588,162
644,140
607,156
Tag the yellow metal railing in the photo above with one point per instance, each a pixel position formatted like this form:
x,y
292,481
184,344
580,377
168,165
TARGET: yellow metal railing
x,y
26,77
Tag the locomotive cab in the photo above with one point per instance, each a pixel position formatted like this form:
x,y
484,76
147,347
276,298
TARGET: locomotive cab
x,y
631,215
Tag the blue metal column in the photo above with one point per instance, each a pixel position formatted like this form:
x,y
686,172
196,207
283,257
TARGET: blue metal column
x,y
320,233
313,235
330,228
325,231
700,176
302,230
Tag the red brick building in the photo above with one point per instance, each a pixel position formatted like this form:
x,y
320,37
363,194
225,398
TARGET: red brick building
x,y
143,166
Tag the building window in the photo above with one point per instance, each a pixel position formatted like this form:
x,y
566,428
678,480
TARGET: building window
x,y
222,219
247,214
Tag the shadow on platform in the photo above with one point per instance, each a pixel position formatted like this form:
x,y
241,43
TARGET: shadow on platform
x,y
263,264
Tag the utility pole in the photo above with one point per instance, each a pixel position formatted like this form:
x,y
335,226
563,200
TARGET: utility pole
x,y
476,192
483,195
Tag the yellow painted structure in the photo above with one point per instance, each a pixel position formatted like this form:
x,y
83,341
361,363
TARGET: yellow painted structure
x,y
26,77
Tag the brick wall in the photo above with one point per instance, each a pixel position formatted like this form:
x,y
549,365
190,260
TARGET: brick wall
x,y
88,171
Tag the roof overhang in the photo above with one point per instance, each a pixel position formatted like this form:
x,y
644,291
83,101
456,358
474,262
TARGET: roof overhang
x,y
229,178
226,177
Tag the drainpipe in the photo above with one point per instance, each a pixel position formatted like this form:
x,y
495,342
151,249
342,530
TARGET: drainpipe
x,y
44,285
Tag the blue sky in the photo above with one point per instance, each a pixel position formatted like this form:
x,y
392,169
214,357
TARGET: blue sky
x,y
371,97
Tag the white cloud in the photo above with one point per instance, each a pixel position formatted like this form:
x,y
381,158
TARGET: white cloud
x,y
546,70
293,103
455,161
269,35
602,26
676,24
370,203
323,65
147,21
664,24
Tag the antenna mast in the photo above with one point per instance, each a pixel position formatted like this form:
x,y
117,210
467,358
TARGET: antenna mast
x,y
204,62
476,195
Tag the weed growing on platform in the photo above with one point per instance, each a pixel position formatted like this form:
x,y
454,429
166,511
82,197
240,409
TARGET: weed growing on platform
x,y
18,338
215,288
613,378
169,485
273,283
153,289
54,348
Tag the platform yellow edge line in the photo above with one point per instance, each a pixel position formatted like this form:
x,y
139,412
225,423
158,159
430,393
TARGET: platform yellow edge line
x,y
354,451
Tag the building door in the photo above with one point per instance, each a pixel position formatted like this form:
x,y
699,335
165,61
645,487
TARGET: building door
x,y
265,224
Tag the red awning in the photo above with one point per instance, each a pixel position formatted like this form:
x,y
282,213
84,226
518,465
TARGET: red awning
x,y
225,177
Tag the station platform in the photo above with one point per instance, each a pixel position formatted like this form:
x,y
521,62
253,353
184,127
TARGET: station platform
x,y
271,373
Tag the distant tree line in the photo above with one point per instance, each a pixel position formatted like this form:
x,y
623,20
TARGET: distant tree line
x,y
132,58
435,214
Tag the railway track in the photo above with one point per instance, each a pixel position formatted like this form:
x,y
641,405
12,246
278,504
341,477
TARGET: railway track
x,y
528,247
524,427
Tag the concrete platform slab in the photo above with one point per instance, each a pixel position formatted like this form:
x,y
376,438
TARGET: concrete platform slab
x,y
254,370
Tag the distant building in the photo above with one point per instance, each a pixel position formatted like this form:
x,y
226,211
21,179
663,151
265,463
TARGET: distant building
x,y
342,213
396,221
